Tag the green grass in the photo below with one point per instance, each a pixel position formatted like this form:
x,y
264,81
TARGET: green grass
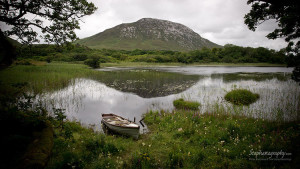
x,y
84,148
186,105
148,64
241,97
188,139
180,139
41,78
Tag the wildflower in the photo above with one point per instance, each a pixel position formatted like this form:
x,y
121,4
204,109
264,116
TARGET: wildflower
x,y
143,144
180,129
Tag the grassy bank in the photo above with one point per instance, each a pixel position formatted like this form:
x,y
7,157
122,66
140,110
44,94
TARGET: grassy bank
x,y
182,139
148,64
43,77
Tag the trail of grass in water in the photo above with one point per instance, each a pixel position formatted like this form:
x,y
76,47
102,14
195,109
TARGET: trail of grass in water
x,y
183,139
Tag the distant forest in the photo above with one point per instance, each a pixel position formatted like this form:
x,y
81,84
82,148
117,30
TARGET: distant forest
x,y
75,52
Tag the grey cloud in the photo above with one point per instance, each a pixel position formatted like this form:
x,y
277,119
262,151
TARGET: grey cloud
x,y
221,21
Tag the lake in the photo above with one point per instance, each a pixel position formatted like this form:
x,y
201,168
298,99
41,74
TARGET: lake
x,y
132,92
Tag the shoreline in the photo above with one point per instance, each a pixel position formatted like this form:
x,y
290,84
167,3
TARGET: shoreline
x,y
172,64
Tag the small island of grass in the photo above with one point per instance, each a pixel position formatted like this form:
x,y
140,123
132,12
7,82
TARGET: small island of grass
x,y
185,105
241,97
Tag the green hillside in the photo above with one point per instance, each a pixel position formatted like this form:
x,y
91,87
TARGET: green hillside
x,y
148,34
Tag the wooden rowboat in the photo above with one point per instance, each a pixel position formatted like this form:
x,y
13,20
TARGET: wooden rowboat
x,y
120,125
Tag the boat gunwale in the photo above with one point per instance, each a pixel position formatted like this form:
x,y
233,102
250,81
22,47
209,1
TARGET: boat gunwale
x,y
111,115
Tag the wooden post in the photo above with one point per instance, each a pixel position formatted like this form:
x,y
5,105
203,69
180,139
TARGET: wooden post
x,y
142,122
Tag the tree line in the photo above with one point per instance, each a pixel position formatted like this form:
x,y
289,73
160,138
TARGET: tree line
x,y
75,52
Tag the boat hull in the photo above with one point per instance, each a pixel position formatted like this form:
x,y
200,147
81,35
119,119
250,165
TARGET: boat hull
x,y
127,131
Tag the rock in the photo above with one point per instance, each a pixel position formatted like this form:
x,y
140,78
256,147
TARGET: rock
x,y
39,151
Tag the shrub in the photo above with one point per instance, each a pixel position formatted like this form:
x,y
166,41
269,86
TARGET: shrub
x,y
92,62
186,105
107,59
23,62
79,57
241,97
48,59
60,117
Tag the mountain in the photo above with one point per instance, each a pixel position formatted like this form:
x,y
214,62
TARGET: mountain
x,y
148,34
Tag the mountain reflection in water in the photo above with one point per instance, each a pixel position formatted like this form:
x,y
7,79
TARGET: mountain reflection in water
x,y
148,83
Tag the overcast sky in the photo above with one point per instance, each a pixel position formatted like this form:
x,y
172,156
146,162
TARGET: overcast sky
x,y
220,21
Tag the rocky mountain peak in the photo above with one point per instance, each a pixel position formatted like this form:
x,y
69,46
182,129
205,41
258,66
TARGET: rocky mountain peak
x,y
156,34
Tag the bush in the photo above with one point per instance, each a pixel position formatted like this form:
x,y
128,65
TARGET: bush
x,y
186,105
61,57
241,97
92,62
48,59
23,62
107,59
79,57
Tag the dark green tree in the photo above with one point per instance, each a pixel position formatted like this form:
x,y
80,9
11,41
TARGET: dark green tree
x,y
57,19
287,14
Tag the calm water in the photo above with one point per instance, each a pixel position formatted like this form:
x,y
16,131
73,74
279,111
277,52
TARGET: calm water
x,y
131,92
